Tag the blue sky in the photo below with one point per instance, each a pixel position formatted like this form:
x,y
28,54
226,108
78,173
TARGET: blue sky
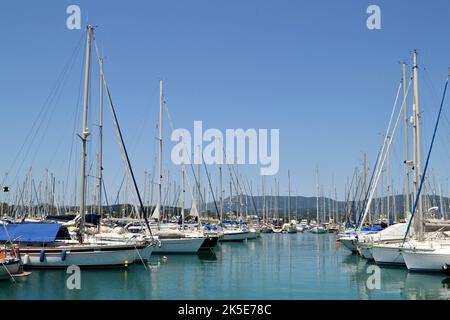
x,y
310,68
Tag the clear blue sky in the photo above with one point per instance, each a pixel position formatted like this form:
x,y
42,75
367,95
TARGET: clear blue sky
x,y
310,68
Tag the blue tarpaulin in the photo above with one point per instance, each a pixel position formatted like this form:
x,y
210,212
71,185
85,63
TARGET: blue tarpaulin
x,y
29,232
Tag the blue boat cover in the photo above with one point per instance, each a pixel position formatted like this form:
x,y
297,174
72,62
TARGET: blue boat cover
x,y
29,232
372,228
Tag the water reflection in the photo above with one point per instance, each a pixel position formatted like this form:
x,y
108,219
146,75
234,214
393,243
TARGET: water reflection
x,y
207,256
303,266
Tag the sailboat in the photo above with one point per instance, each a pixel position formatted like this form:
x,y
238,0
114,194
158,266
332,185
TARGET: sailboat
x,y
292,225
317,229
172,240
49,245
425,252
9,261
381,245
419,250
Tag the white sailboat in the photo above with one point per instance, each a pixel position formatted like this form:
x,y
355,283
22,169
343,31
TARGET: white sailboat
x,y
317,229
421,251
426,253
172,241
47,245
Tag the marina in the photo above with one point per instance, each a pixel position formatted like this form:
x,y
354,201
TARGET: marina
x,y
285,187
254,270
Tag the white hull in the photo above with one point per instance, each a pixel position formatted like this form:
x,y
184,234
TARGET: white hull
x,y
145,247
366,252
252,235
388,255
54,257
427,261
144,254
180,246
350,243
234,236
318,230
8,268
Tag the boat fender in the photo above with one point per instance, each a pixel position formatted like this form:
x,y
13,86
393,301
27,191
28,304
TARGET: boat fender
x,y
63,255
42,255
446,269
26,259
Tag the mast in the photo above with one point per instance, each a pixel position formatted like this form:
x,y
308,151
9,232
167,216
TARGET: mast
x,y
407,161
85,132
100,146
157,212
221,194
365,183
182,197
289,199
30,193
418,161
317,198
199,186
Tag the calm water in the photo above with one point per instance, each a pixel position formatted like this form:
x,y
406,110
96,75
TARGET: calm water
x,y
278,266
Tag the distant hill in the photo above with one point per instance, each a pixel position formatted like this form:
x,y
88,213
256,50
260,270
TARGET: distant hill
x,y
304,207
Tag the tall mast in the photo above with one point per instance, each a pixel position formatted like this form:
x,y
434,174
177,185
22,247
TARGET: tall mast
x,y
317,198
407,161
289,199
157,212
183,191
365,183
85,132
221,194
418,160
199,186
263,189
100,147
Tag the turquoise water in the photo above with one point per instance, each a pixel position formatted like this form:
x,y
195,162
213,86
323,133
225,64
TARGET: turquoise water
x,y
278,266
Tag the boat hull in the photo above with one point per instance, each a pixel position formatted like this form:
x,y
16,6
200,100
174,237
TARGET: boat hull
x,y
366,252
60,258
179,246
252,235
8,268
234,236
209,243
318,230
350,243
388,255
426,261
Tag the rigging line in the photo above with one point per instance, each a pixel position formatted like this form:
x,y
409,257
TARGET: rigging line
x,y
56,100
141,210
45,106
210,186
388,146
416,201
197,182
386,138
46,118
130,169
434,97
251,194
106,199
